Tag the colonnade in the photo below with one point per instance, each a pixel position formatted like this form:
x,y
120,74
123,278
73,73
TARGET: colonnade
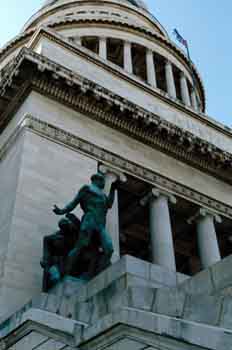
x,y
162,244
188,95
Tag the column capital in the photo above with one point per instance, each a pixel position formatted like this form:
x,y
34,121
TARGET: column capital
x,y
156,193
105,169
150,51
182,75
204,212
168,62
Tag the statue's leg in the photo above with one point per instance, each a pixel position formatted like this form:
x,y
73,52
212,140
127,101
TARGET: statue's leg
x,y
73,256
106,243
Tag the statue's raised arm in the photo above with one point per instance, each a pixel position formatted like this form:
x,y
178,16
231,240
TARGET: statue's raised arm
x,y
72,205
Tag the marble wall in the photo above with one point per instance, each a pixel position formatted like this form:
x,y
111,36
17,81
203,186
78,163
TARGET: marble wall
x,y
48,174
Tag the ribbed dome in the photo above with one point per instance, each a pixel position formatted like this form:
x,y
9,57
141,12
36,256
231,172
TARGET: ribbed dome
x,y
138,3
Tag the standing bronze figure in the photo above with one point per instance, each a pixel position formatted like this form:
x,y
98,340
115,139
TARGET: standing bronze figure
x,y
85,248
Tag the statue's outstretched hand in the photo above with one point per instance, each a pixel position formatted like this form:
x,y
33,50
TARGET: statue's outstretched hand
x,y
57,210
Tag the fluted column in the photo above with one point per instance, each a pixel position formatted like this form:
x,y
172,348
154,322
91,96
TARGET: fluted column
x,y
103,47
160,228
184,90
151,73
170,79
112,221
128,65
207,237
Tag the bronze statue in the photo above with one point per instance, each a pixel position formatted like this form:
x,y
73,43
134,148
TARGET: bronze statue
x,y
95,204
84,248
56,248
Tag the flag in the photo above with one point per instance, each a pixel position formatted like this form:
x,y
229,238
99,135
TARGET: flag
x,y
180,38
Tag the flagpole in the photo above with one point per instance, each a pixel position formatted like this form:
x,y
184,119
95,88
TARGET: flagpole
x,y
185,43
192,73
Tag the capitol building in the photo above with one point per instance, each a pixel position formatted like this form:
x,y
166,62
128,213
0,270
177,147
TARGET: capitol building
x,y
93,86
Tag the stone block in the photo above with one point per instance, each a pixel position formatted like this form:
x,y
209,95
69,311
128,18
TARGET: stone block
x,y
137,267
222,274
141,298
127,344
96,284
68,287
169,301
51,320
133,280
181,278
83,311
199,284
30,341
51,344
203,309
201,335
53,303
162,276
226,313
117,294
99,306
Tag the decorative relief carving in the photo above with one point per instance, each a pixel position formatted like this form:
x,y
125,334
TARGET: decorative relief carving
x,y
103,105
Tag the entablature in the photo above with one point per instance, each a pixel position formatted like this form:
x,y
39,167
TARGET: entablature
x,y
31,71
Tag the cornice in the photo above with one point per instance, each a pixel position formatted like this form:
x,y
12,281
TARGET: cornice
x,y
47,11
96,59
36,72
67,139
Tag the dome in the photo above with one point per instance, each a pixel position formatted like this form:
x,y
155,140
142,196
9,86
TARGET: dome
x,y
138,3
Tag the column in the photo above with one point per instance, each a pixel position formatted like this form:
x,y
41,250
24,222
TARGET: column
x,y
151,73
128,66
170,80
160,228
103,47
207,238
194,99
112,221
184,90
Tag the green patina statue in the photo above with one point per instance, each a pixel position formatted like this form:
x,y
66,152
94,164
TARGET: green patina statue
x,y
95,205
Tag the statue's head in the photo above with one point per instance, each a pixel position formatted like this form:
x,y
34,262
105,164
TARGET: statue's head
x,y
98,180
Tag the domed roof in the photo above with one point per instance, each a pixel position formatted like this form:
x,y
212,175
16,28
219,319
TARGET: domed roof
x,y
138,3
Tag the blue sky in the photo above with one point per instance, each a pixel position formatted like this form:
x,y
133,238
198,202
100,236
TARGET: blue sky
x,y
205,24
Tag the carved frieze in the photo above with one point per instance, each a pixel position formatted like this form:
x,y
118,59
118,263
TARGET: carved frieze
x,y
79,93
124,165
